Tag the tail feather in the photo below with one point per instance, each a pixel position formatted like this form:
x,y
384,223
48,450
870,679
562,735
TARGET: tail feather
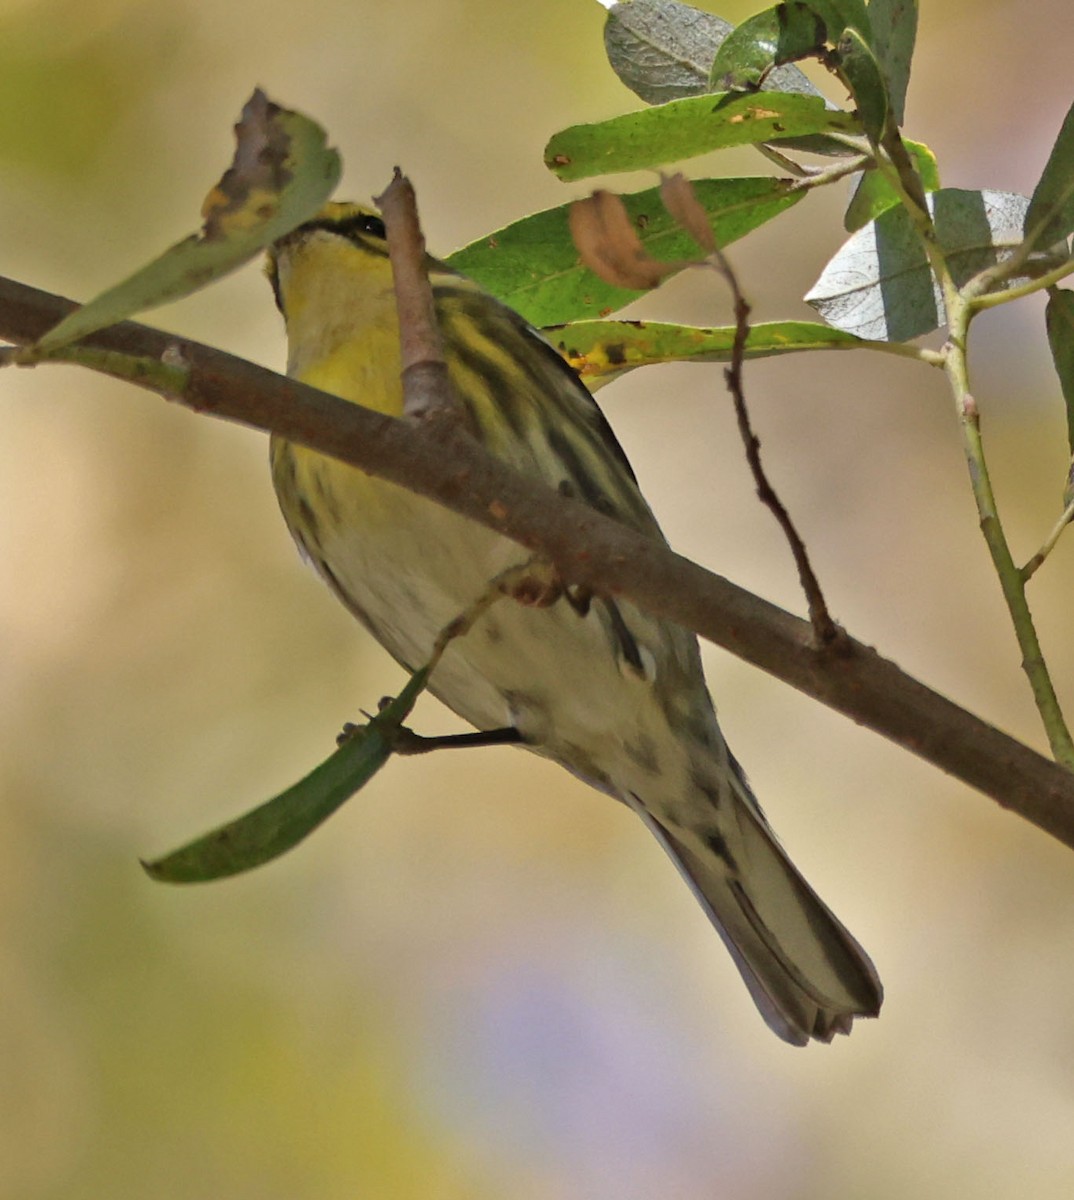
x,y
806,973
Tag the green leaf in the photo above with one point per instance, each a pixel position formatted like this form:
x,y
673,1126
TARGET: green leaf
x,y
602,350
662,49
533,266
766,40
1059,319
879,284
281,823
894,25
685,128
841,15
875,194
1051,211
282,174
860,69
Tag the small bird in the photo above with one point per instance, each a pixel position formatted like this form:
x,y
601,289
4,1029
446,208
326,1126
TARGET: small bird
x,y
611,693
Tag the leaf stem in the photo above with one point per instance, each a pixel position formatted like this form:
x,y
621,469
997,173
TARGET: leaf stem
x,y
979,298
931,358
840,170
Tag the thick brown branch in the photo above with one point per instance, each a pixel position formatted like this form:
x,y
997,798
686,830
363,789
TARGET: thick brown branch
x,y
592,550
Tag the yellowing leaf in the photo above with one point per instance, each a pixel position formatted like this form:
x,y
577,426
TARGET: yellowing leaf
x,y
603,350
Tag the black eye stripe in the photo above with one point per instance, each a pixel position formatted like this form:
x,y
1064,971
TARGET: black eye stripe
x,y
360,223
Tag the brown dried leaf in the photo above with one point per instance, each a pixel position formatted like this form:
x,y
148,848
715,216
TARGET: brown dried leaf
x,y
677,193
609,245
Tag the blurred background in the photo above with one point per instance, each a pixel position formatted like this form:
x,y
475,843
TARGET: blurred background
x,y
481,979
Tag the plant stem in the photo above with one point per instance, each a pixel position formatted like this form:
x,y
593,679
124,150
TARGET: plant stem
x,y
1012,579
961,305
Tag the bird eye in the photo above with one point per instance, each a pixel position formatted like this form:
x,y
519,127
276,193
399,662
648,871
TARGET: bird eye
x,y
367,223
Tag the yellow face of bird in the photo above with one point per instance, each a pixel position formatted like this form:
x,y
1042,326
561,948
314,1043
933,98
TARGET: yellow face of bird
x,y
333,284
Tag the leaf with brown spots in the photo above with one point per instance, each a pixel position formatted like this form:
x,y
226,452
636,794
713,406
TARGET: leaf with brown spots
x,y
680,129
532,264
281,175
603,350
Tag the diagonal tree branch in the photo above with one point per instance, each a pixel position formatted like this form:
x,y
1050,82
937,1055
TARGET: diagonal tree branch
x,y
589,549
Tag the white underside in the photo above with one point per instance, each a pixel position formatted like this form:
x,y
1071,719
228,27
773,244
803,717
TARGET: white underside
x,y
558,677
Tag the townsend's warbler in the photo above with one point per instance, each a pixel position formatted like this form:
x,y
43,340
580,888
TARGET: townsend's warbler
x,y
614,695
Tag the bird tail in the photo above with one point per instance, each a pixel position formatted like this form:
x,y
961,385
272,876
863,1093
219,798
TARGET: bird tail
x,y
806,973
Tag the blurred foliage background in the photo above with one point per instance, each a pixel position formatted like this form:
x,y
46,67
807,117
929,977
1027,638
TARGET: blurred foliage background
x,y
486,980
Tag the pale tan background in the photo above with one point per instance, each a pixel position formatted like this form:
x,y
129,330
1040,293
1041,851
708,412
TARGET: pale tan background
x,y
481,980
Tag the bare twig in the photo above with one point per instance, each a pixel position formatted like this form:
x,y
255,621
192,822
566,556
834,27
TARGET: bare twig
x,y
591,549
680,201
824,628
427,389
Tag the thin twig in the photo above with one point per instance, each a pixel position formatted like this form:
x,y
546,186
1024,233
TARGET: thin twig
x,y
820,177
427,389
825,629
1049,545
523,581
680,200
